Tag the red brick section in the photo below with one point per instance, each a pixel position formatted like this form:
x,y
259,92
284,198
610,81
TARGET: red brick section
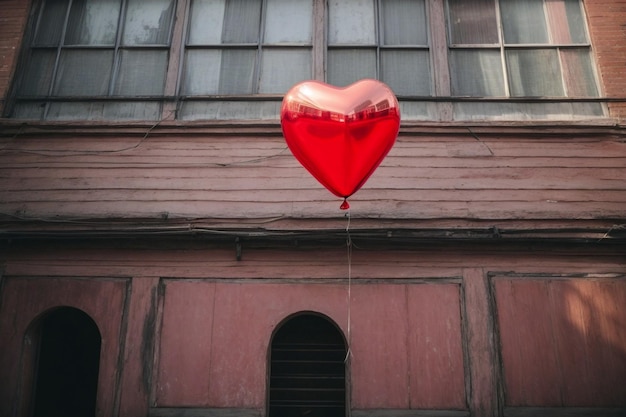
x,y
13,16
607,24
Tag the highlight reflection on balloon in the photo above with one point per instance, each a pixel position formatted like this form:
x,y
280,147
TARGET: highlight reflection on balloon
x,y
340,135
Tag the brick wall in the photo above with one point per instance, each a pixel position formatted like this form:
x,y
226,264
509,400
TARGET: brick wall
x,y
607,23
13,14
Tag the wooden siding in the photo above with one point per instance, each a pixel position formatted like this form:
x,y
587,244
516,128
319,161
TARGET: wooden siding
x,y
538,174
385,355
24,300
422,329
563,341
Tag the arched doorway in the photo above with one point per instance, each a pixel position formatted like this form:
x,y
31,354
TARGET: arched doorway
x,y
307,368
66,370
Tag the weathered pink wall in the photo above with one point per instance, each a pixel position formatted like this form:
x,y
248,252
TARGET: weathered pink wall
x,y
563,341
25,299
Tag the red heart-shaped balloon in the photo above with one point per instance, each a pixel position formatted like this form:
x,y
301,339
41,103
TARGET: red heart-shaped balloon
x,y
340,135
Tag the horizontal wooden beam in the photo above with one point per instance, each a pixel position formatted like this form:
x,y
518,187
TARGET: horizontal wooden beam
x,y
563,412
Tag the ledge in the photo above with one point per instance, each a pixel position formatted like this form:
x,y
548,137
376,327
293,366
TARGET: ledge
x,y
286,230
13,128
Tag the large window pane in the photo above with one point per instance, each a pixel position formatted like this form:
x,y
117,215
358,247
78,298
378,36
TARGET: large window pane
x,y
534,73
51,25
404,22
148,22
476,73
288,21
282,68
202,69
351,22
578,70
348,66
93,22
576,21
38,74
205,22
141,73
242,19
472,22
523,21
84,73
566,21
237,72
406,72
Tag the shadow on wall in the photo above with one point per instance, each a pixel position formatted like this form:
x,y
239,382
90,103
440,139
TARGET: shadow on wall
x,y
563,341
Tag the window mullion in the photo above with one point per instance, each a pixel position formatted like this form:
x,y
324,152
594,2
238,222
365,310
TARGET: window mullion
x,y
319,40
439,47
439,56
176,58
117,46
256,83
58,57
505,72
378,36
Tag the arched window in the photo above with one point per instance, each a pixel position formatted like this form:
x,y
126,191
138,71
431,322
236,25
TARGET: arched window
x,y
307,368
66,374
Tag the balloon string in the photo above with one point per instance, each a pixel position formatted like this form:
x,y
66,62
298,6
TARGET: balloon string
x,y
349,248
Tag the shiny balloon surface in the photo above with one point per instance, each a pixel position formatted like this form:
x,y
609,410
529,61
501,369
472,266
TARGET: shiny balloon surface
x,y
340,135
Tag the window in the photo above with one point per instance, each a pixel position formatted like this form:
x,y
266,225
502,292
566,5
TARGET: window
x,y
68,363
307,369
234,59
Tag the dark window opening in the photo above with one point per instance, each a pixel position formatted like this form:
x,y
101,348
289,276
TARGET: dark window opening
x,y
67,370
307,370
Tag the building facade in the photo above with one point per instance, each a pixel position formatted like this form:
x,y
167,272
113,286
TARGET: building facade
x,y
163,253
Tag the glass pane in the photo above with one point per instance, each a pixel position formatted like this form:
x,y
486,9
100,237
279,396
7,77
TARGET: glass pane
x,y
282,68
406,72
104,111
139,110
32,111
472,22
141,73
346,66
38,74
205,22
579,74
476,73
84,73
404,22
230,110
576,21
237,72
148,22
51,23
566,21
201,74
351,22
75,111
93,22
526,111
534,73
242,19
288,21
523,21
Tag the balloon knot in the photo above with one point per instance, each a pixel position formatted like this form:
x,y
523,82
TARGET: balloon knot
x,y
345,205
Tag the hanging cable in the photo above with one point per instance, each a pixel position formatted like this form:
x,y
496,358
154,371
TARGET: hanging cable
x,y
349,252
